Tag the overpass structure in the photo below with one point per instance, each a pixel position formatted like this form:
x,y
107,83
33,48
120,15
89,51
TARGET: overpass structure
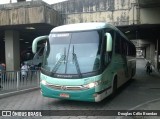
x,y
22,22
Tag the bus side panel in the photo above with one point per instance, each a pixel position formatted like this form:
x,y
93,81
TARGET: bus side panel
x,y
119,65
131,62
124,67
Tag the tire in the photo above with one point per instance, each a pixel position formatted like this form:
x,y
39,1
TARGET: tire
x,y
114,89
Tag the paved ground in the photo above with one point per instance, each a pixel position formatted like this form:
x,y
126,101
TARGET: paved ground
x,y
141,93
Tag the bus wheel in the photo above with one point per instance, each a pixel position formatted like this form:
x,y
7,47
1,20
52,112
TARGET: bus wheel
x,y
114,89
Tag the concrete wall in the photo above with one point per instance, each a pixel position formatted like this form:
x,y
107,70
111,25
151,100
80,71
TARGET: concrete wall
x,y
147,3
150,15
28,13
117,12
51,16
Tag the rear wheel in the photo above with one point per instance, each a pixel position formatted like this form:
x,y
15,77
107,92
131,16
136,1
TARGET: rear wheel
x,y
132,74
114,88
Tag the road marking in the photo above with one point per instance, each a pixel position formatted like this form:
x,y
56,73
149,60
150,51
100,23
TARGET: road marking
x,y
140,105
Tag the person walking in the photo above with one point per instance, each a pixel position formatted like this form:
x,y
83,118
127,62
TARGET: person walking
x,y
24,70
148,67
32,70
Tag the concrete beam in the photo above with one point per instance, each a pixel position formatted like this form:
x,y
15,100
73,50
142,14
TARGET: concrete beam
x,y
150,54
31,12
149,3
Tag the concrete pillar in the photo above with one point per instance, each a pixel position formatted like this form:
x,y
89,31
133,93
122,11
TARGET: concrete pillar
x,y
158,54
2,54
148,52
144,52
152,51
12,50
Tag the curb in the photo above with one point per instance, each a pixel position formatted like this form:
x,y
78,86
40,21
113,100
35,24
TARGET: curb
x,y
17,92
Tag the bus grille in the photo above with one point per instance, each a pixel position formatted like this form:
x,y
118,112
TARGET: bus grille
x,y
58,87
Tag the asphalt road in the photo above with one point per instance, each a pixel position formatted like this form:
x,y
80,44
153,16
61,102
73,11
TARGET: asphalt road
x,y
133,94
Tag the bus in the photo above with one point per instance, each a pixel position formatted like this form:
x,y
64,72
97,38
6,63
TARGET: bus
x,y
85,61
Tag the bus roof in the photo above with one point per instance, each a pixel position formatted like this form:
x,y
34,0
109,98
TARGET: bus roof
x,y
80,27
85,27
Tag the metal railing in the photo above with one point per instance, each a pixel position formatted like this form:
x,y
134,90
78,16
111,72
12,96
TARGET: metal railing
x,y
14,80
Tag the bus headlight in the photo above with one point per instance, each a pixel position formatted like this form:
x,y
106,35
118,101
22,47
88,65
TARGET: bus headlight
x,y
93,84
43,82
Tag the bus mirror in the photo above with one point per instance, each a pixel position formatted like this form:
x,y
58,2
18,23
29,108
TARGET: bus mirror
x,y
35,42
108,42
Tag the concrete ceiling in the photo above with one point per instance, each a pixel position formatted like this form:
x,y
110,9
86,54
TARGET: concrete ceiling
x,y
27,35
149,3
146,32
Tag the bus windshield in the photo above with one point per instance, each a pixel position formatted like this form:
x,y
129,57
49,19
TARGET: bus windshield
x,y
73,52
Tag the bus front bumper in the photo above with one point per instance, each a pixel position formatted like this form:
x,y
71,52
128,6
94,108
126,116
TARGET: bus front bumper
x,y
81,95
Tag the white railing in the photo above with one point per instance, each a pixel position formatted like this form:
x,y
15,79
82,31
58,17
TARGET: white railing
x,y
14,81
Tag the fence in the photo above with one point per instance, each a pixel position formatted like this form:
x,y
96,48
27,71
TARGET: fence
x,y
14,81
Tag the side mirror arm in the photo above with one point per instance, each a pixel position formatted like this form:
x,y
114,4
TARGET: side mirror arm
x,y
35,42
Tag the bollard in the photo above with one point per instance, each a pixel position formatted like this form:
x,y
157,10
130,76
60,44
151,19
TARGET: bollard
x,y
38,78
18,80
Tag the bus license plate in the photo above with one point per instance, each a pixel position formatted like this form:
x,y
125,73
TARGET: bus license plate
x,y
64,95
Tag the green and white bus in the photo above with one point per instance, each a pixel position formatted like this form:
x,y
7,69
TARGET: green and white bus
x,y
85,61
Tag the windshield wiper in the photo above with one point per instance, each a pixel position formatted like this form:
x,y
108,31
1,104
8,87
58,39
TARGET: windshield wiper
x,y
61,59
76,63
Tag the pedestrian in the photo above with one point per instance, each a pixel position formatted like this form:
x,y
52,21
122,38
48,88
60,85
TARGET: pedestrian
x,y
148,67
24,70
2,69
32,69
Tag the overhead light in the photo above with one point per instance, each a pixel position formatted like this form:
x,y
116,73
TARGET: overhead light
x,y
127,31
26,42
21,39
30,28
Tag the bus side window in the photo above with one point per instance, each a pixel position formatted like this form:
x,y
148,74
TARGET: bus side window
x,y
124,47
118,44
